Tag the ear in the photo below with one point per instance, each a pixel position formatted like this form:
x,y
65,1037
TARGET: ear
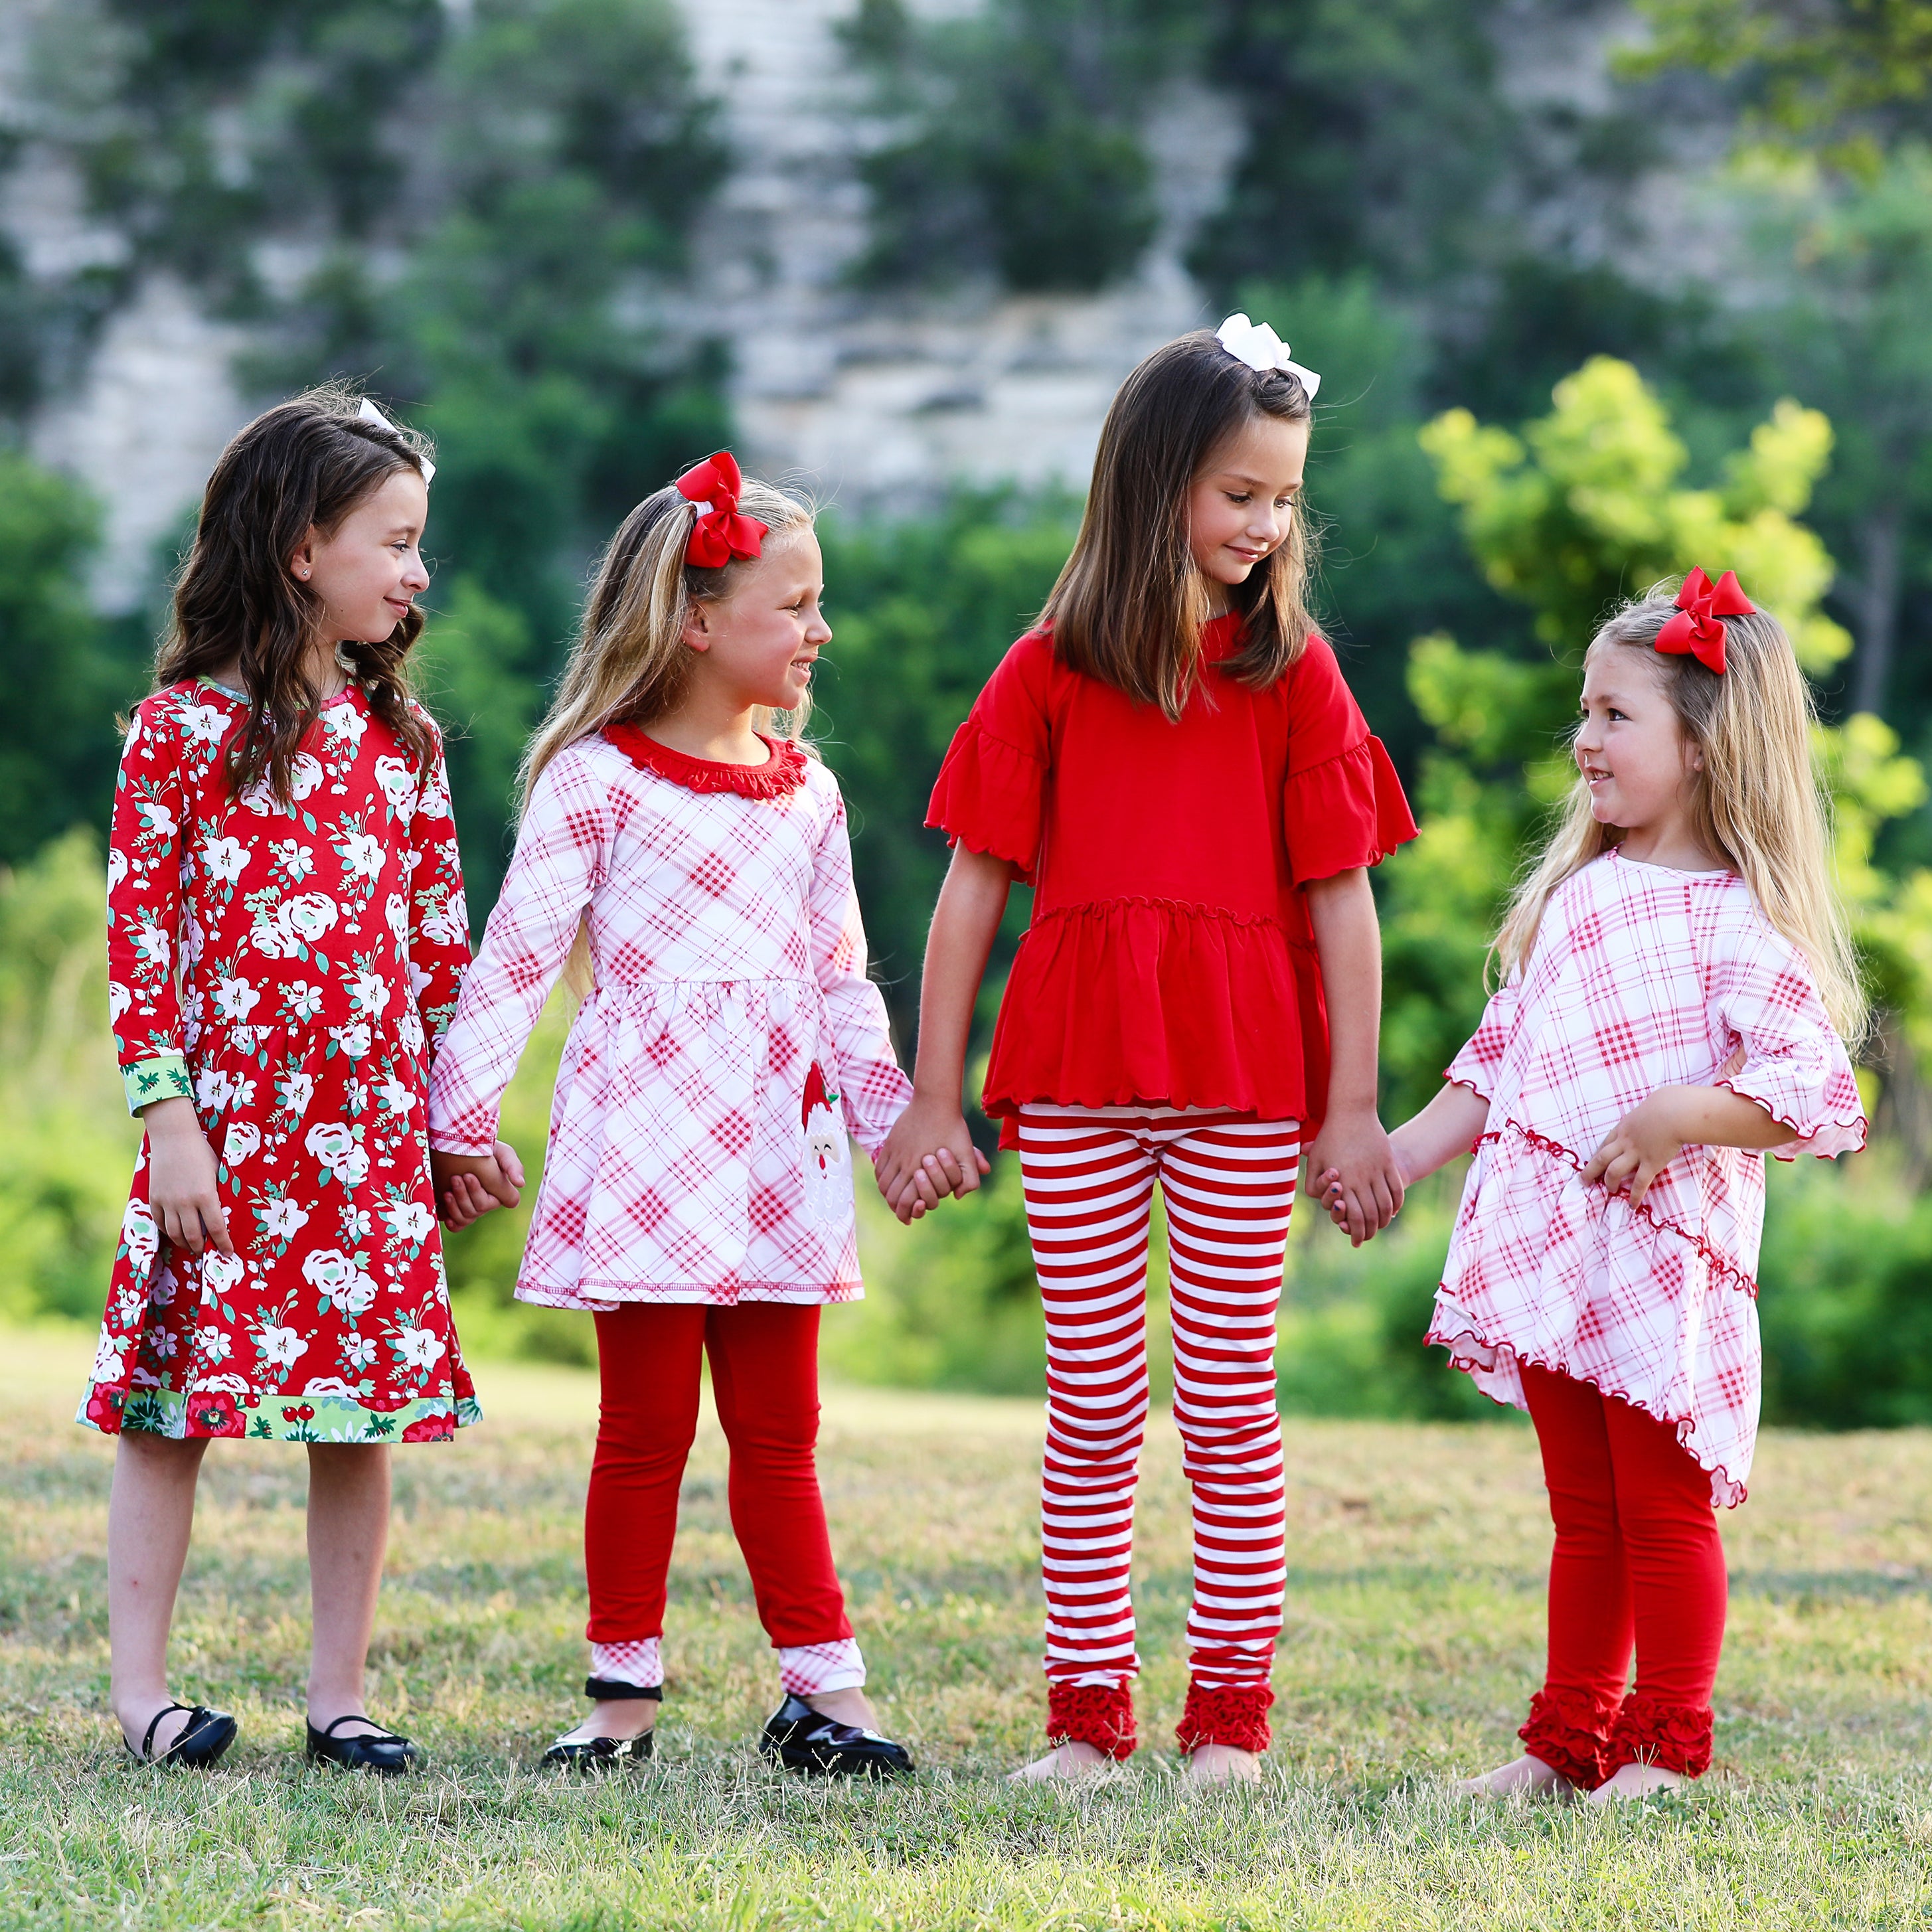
x,y
697,633
301,565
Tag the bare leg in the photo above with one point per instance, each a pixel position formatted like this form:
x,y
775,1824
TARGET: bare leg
x,y
150,1515
348,1533
1223,1764
1065,1762
1636,1780
1523,1777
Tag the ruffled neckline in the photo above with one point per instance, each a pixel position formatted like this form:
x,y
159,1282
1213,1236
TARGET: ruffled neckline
x,y
781,775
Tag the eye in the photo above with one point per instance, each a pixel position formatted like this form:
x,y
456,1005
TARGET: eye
x,y
1615,713
1240,495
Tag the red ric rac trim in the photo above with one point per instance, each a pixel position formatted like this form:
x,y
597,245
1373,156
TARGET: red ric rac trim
x,y
778,777
1099,1715
1724,1269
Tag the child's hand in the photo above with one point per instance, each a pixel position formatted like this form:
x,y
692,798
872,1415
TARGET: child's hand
x,y
1328,1190
182,1179
927,1155
470,1185
1359,1182
1640,1146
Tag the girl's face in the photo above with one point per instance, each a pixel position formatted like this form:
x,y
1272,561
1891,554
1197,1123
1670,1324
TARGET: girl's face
x,y
1238,508
1631,748
369,570
757,646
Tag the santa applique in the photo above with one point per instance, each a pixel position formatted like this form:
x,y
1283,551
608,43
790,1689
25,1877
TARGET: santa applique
x,y
828,1156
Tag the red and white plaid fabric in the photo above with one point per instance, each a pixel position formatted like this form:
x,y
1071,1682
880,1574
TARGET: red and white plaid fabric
x,y
727,958
1642,977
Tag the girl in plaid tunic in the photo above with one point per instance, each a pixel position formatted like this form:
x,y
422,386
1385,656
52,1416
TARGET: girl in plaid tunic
x,y
1677,979
697,1192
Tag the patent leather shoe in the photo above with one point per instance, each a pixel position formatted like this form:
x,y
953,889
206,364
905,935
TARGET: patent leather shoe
x,y
601,1753
385,1753
802,1739
205,1736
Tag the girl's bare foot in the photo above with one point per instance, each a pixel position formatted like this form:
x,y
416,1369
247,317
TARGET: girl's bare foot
x,y
1521,1778
1065,1762
1223,1764
1636,1780
616,1717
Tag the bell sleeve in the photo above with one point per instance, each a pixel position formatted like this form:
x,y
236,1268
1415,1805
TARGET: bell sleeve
x,y
145,909
1477,1066
1343,805
1766,1002
992,793
562,851
439,928
874,1092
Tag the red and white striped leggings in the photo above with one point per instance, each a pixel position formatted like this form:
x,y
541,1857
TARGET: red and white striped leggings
x,y
1229,1189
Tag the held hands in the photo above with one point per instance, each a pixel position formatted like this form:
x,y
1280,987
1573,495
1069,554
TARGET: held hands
x,y
927,1155
1358,1177
181,1179
468,1185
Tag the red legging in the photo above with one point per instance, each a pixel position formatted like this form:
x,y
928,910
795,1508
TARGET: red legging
x,y
764,1379
1637,1565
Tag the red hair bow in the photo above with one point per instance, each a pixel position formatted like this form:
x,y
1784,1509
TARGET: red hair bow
x,y
720,533
1696,629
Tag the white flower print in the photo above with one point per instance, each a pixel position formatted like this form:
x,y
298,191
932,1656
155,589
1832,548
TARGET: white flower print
x,y
129,1305
240,1141
156,818
241,1089
409,1030
107,1360
302,1000
352,1169
193,940
117,866
308,917
203,723
419,1348
226,859
280,1347
269,939
354,1224
398,778
281,1220
261,800
353,1040
445,925
327,1269
305,773
118,1001
162,1293
358,1351
138,1231
212,1090
357,1299
345,721
221,1384
395,910
152,946
163,1343
234,999
397,1096
328,1141
362,853
409,1220
221,1273
433,802
212,1344
294,1091
293,859
369,992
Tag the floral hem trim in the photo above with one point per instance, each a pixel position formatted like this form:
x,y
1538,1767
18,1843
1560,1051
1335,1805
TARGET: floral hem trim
x,y
164,1077
1462,1335
1721,1266
112,1408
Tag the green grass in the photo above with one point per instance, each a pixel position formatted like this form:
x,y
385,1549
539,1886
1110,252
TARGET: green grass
x,y
1413,1640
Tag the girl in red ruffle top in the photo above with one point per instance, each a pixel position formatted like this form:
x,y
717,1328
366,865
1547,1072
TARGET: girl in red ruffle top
x,y
1172,761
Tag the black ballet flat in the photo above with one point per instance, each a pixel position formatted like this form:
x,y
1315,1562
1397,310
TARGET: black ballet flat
x,y
597,1754
805,1740
383,1753
205,1736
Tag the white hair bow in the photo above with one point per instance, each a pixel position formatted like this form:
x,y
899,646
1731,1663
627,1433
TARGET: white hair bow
x,y
1257,345
368,412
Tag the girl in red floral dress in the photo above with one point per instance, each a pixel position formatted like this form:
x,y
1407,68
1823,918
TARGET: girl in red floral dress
x,y
286,931
1172,761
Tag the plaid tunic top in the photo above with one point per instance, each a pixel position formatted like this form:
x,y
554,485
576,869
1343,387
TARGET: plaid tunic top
x,y
689,1158
1641,977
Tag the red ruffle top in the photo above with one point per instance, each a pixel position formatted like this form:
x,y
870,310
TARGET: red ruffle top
x,y
1170,960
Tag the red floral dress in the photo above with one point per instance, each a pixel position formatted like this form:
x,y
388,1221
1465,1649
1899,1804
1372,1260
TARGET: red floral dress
x,y
287,967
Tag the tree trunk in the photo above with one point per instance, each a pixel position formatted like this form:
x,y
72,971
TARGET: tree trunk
x,y
1875,596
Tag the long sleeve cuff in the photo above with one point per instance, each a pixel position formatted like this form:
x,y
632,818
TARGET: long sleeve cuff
x,y
164,1077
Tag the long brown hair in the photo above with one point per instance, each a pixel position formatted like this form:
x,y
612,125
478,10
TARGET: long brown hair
x,y
1129,605
629,660
1756,802
304,465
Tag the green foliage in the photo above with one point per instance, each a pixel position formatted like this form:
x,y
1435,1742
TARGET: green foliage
x,y
1014,147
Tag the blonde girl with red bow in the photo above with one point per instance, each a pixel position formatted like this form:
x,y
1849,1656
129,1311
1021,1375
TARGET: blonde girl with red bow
x,y
1676,980
1172,760
697,1191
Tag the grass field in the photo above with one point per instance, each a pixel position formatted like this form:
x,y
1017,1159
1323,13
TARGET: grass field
x,y
1413,1639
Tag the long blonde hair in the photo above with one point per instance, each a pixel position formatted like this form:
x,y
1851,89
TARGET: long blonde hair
x,y
629,660
1756,801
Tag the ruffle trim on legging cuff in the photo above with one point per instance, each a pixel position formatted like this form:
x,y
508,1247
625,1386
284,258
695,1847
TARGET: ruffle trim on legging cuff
x,y
1673,1737
1233,1714
1566,1730
1099,1715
